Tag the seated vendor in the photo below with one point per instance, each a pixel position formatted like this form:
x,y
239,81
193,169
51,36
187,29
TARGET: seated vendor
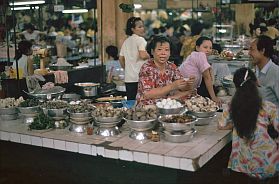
x,y
159,78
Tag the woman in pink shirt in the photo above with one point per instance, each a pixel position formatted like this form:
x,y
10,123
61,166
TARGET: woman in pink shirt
x,y
197,65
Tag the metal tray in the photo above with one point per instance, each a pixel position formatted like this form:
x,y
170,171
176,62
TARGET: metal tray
x,y
54,92
171,111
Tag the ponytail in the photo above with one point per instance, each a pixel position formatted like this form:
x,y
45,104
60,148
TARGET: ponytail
x,y
246,103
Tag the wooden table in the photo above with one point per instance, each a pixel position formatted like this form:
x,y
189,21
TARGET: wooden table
x,y
189,156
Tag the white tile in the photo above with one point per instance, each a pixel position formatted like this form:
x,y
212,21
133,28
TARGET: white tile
x,y
72,146
141,157
48,143
100,151
94,150
172,162
60,145
15,137
111,154
36,141
156,159
186,164
25,139
5,136
84,149
126,155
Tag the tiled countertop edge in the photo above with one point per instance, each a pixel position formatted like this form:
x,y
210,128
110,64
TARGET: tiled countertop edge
x,y
107,152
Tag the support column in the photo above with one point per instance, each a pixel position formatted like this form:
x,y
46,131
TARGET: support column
x,y
244,14
111,24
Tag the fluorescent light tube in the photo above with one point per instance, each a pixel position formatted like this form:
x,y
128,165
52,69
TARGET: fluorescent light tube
x,y
75,11
137,6
26,3
23,8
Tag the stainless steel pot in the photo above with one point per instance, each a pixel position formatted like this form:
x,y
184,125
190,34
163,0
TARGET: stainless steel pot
x,y
88,89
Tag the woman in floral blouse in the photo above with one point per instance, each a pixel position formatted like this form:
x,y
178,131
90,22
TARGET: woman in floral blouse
x,y
159,78
254,151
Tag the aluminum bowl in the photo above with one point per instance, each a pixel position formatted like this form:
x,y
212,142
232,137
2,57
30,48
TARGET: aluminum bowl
x,y
80,122
171,111
177,126
6,111
70,97
81,119
29,110
8,117
80,115
179,137
141,125
202,114
57,112
204,121
108,119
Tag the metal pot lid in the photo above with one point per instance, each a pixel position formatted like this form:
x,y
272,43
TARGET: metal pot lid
x,y
87,84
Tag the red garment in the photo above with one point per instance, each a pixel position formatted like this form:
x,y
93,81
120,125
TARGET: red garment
x,y
150,77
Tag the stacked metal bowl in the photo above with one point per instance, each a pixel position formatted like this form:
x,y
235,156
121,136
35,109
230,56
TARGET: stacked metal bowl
x,y
8,114
79,121
107,126
29,113
178,128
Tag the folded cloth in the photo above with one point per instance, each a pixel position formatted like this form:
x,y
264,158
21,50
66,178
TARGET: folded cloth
x,y
32,83
60,77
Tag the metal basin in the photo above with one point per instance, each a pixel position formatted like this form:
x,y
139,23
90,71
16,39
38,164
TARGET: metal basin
x,y
29,110
141,125
8,117
179,137
81,120
88,89
108,132
108,119
171,111
202,114
169,126
80,115
57,112
204,121
78,128
6,111
70,97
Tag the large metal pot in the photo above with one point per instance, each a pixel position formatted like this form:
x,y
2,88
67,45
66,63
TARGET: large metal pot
x,y
88,89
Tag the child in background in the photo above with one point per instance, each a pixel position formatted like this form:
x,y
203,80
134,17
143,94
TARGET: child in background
x,y
113,63
254,151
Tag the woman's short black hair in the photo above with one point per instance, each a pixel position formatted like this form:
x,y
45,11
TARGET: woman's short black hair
x,y
131,23
201,39
112,51
265,43
24,47
157,39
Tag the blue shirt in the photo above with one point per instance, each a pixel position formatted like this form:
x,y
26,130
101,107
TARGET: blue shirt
x,y
113,63
269,82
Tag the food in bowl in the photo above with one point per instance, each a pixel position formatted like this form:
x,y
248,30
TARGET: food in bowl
x,y
107,111
178,119
201,104
141,114
168,104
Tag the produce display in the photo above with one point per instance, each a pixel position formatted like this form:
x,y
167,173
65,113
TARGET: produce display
x,y
178,119
41,122
201,104
80,107
29,103
227,54
10,102
58,104
168,104
107,111
141,114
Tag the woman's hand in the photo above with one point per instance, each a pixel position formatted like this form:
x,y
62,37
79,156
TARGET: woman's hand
x,y
218,101
179,84
190,83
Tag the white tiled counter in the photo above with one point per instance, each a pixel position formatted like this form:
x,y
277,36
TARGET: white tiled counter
x,y
188,156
